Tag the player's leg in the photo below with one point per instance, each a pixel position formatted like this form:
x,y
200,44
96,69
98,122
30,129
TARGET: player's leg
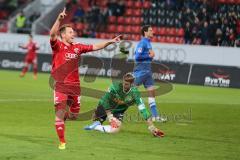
x,y
25,68
99,117
74,108
149,85
60,102
35,68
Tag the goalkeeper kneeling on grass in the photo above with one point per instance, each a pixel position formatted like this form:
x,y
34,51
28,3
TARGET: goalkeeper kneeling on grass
x,y
115,102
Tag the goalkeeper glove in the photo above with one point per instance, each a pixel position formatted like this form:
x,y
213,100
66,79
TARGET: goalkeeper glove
x,y
155,131
114,122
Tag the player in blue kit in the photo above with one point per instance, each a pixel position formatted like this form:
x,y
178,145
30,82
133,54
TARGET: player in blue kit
x,y
143,72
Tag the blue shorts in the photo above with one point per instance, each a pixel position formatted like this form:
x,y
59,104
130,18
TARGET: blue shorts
x,y
145,79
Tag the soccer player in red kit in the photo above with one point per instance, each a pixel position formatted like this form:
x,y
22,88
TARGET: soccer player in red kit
x,y
30,58
65,63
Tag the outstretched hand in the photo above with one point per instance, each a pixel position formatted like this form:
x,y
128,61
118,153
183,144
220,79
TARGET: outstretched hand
x,y
117,39
155,131
63,14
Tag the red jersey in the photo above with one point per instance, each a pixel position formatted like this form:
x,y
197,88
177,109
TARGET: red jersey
x,y
31,53
65,64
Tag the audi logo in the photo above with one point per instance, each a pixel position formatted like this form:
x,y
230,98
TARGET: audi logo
x,y
170,54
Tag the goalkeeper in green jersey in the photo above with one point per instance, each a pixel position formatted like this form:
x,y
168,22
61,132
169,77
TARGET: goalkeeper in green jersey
x,y
115,102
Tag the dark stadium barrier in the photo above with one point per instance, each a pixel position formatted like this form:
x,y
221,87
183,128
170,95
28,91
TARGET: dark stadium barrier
x,y
116,67
216,76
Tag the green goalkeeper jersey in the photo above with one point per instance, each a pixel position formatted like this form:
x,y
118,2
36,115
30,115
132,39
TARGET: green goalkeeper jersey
x,y
118,101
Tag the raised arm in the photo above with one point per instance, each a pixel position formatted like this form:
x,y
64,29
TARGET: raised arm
x,y
55,27
104,44
23,46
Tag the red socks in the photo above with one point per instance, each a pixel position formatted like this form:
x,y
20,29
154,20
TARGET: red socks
x,y
60,128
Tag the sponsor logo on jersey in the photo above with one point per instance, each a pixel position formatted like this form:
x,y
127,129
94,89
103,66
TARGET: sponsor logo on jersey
x,y
69,56
139,50
76,50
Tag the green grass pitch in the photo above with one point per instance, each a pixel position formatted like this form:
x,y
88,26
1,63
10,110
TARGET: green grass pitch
x,y
204,124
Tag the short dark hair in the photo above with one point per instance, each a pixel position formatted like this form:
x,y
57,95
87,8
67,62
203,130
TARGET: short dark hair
x,y
63,28
145,29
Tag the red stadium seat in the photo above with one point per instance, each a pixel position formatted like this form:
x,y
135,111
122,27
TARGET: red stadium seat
x,y
155,39
155,30
138,5
97,35
112,28
128,20
120,20
136,29
222,1
179,40
238,23
171,31
79,26
135,37
120,29
162,39
129,12
170,39
3,28
137,12
162,31
238,30
180,32
103,35
3,15
147,4
231,1
112,19
137,20
129,4
128,29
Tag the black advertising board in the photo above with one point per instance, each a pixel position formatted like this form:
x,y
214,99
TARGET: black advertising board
x,y
216,76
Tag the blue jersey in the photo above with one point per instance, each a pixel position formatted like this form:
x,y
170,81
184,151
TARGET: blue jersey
x,y
142,58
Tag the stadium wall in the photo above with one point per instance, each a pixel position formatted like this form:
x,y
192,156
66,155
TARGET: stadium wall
x,y
191,54
207,75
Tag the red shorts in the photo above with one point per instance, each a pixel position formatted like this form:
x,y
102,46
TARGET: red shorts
x,y
72,101
31,60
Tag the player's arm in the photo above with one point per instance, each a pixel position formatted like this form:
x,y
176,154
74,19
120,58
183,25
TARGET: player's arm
x,y
151,127
23,46
55,27
151,53
147,116
104,44
37,47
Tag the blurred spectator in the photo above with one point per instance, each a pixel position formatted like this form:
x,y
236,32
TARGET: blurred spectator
x,y
188,33
20,22
112,7
204,21
78,15
120,8
237,42
204,33
70,4
218,38
103,17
